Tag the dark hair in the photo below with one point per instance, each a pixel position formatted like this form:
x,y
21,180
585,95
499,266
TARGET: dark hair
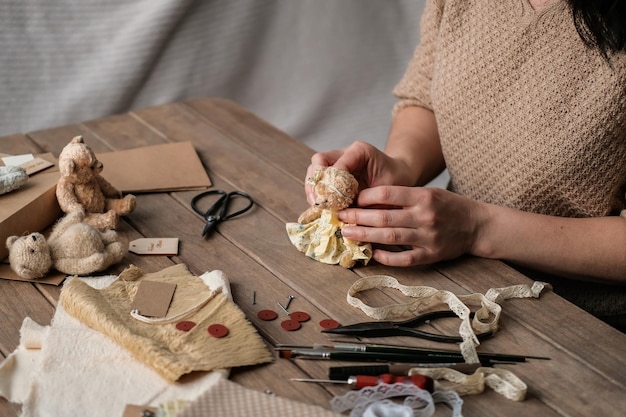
x,y
601,24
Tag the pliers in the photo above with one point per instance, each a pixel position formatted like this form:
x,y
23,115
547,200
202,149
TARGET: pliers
x,y
403,328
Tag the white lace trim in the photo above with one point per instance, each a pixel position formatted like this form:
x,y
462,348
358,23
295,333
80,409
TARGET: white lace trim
x,y
485,318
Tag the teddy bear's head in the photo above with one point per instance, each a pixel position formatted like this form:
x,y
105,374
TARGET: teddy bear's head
x,y
79,162
29,255
334,188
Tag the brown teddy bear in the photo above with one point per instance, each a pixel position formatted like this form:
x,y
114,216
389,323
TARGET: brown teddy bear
x,y
73,247
318,231
81,187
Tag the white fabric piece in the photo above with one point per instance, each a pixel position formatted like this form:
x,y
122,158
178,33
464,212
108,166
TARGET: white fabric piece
x,y
229,399
80,372
19,368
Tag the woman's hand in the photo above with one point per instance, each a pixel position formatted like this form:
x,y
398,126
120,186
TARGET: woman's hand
x,y
436,224
370,166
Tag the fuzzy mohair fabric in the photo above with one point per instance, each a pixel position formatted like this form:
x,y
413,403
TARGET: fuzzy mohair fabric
x,y
73,247
169,351
81,187
71,370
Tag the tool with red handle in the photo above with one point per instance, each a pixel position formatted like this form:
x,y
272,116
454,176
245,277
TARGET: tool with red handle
x,y
360,381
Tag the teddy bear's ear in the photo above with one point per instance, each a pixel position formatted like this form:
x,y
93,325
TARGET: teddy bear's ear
x,y
77,139
10,241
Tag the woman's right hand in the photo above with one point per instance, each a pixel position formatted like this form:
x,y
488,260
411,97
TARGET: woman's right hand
x,y
369,165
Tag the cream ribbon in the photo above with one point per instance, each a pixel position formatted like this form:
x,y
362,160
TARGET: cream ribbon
x,y
504,382
427,297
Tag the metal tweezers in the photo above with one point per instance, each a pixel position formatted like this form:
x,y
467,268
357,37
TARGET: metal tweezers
x,y
403,328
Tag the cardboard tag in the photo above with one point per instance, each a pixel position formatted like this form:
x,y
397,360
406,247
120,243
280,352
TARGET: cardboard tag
x,y
154,246
132,410
35,165
153,298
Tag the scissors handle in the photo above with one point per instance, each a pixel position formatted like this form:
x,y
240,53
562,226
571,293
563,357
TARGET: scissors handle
x,y
218,211
237,213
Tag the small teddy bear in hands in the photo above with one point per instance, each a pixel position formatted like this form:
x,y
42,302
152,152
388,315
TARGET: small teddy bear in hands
x,y
81,187
318,231
73,248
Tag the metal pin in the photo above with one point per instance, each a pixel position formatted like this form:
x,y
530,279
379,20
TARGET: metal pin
x,y
253,297
291,297
284,309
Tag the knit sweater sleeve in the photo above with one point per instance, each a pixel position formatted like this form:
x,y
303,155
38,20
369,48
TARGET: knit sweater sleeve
x,y
413,88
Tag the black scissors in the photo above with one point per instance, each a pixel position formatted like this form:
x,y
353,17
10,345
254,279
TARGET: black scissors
x,y
403,328
217,212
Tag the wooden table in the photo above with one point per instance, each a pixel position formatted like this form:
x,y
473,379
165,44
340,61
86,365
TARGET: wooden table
x,y
585,376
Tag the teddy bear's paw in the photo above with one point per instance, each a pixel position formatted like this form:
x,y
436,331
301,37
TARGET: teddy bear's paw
x,y
130,202
122,206
310,214
12,178
346,260
103,221
114,252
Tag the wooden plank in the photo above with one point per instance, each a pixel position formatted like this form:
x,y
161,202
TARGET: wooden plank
x,y
263,139
291,272
20,300
244,152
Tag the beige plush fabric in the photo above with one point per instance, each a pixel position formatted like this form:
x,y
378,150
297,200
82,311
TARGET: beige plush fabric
x,y
529,117
169,351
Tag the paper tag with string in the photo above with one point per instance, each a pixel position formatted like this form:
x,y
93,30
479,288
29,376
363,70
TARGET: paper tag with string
x,y
154,246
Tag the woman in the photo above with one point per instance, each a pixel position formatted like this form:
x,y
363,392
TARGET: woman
x,y
524,101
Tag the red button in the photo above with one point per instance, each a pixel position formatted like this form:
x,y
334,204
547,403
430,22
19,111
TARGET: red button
x,y
329,324
300,316
267,315
218,330
185,326
290,325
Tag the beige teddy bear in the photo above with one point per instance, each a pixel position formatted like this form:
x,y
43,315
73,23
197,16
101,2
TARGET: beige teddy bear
x,y
73,247
81,187
318,231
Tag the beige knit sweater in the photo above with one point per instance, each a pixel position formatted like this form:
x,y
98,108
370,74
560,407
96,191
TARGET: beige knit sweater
x,y
529,117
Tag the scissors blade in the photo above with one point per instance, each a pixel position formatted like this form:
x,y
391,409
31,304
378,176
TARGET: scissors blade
x,y
209,225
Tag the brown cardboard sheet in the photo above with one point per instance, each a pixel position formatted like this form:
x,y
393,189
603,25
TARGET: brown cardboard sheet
x,y
156,168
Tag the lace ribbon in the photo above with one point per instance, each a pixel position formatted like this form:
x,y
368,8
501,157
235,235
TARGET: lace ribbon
x,y
504,382
428,297
375,401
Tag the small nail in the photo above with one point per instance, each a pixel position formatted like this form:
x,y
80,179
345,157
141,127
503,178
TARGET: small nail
x,y
291,297
253,297
284,309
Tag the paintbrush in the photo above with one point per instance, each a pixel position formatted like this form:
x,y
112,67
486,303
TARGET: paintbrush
x,y
414,354
357,356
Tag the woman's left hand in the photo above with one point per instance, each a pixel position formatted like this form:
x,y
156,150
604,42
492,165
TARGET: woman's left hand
x,y
437,224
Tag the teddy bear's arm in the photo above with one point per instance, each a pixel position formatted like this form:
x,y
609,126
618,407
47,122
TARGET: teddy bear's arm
x,y
65,222
67,197
310,214
107,188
